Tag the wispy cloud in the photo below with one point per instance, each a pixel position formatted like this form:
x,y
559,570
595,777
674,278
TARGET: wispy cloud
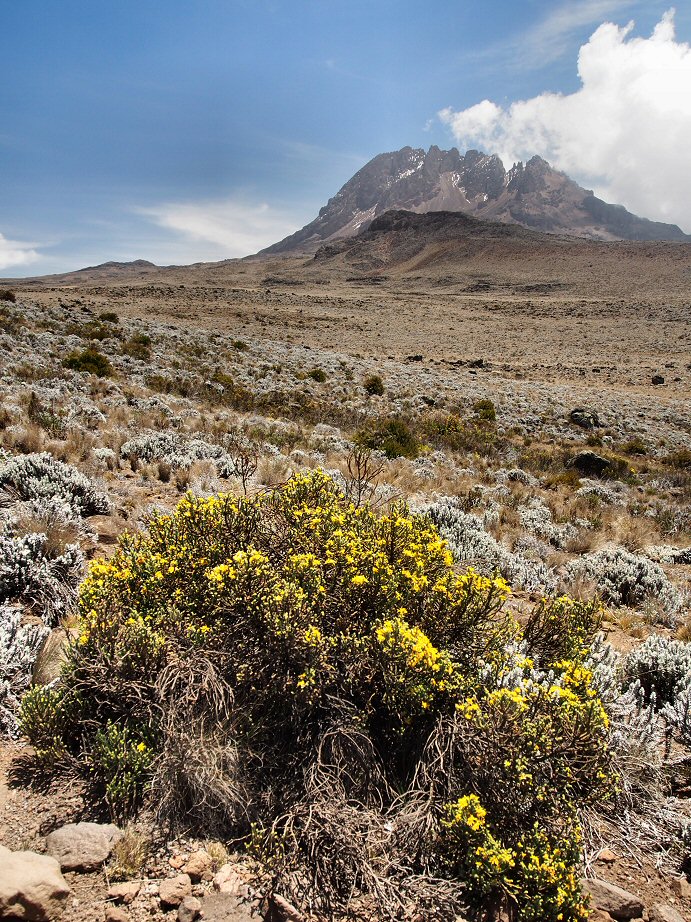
x,y
16,253
625,132
550,38
222,229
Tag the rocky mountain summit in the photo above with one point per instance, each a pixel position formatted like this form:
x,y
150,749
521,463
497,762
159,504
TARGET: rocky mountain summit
x,y
532,194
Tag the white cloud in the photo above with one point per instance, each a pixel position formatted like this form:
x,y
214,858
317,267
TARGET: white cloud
x,y
222,230
15,253
626,132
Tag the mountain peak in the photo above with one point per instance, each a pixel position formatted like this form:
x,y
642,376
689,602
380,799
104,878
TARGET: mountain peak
x,y
533,195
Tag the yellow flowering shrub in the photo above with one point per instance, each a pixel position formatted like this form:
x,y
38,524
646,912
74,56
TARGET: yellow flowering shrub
x,y
262,624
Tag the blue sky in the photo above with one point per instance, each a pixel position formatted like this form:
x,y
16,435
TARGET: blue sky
x,y
179,131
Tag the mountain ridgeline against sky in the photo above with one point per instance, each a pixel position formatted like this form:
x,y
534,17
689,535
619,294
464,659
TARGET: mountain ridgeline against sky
x,y
531,194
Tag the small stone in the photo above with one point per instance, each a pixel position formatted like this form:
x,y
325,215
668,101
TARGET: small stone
x,y
599,915
82,846
618,903
681,888
189,909
658,379
199,866
125,892
116,914
664,913
31,886
176,861
173,890
607,856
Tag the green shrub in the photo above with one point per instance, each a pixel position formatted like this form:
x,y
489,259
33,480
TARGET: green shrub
x,y
6,294
450,431
42,717
484,409
138,346
122,764
635,446
109,317
89,360
395,437
320,672
317,374
374,385
239,345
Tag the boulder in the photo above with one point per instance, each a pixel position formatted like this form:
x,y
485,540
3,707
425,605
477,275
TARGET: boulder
x,y
585,418
620,904
199,866
190,909
173,890
51,655
589,464
663,913
82,846
31,887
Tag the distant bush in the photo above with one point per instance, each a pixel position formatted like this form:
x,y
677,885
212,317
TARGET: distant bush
x,y
6,294
317,374
374,385
452,432
138,346
109,317
318,677
394,437
239,345
91,361
484,409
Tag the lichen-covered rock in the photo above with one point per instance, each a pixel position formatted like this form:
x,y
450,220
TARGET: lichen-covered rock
x,y
82,846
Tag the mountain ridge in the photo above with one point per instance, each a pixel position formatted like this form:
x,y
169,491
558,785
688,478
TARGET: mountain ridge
x,y
533,195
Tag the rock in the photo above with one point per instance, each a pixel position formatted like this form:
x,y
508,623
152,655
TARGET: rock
x,y
280,910
51,655
588,463
620,904
662,913
107,527
189,910
82,846
199,866
227,880
681,888
585,418
220,907
125,892
31,886
176,861
657,379
607,856
116,914
173,890
598,915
